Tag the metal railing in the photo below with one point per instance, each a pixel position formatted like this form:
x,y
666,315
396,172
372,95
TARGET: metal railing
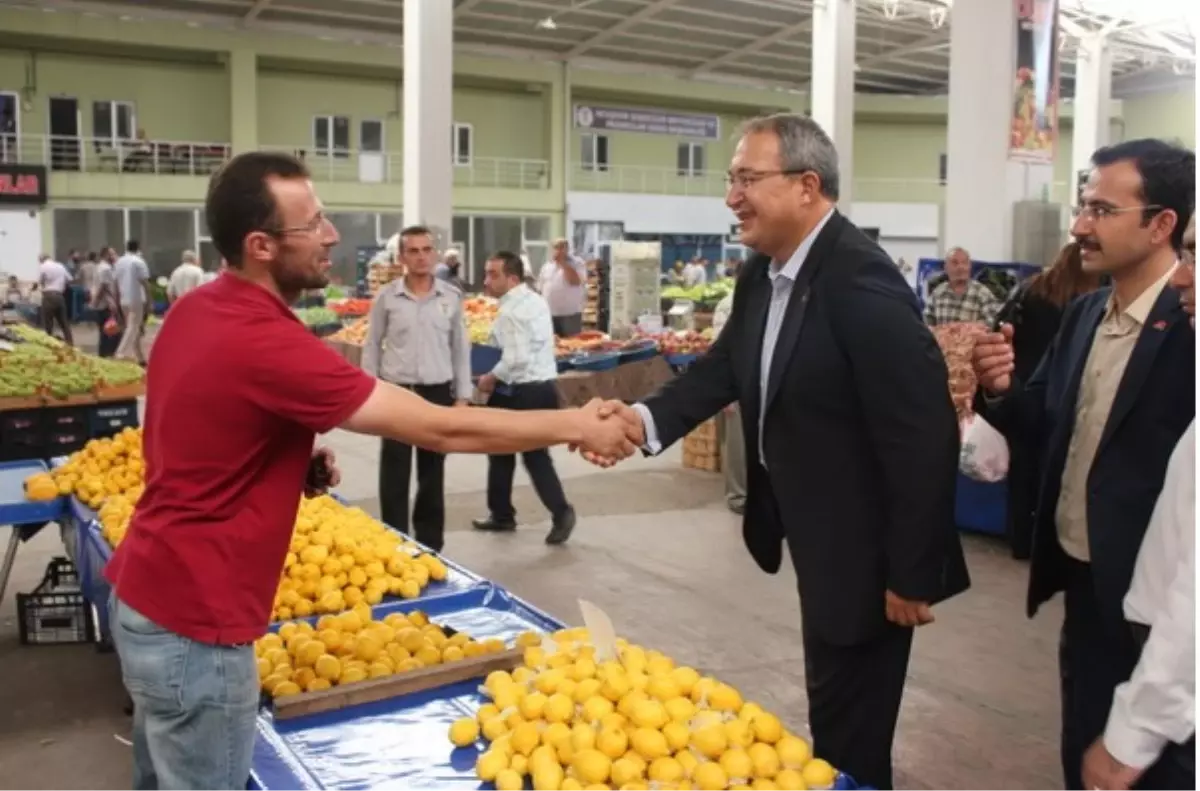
x,y
642,179
105,155
387,167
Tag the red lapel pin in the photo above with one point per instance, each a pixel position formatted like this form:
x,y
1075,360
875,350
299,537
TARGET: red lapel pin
x,y
1159,325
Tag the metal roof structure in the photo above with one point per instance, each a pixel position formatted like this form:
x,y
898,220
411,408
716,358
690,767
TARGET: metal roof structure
x,y
902,45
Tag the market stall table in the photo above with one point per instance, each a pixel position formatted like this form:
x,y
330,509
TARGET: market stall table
x,y
24,517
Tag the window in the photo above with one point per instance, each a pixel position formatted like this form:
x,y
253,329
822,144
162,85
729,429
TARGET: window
x,y
463,144
113,122
489,234
331,136
370,138
88,230
594,152
358,242
942,169
164,234
691,159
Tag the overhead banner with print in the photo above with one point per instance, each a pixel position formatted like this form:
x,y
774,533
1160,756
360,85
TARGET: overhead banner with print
x,y
1034,129
649,121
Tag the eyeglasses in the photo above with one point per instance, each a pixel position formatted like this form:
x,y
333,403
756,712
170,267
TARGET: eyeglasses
x,y
744,179
1101,211
312,226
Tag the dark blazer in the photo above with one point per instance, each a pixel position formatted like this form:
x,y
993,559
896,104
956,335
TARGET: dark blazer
x,y
860,435
1154,404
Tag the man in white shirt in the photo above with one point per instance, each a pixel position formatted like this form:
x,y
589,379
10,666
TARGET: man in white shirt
x,y
53,278
523,379
1150,737
695,274
187,276
133,285
106,302
562,284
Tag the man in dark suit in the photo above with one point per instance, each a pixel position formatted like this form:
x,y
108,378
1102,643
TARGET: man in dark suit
x,y
1107,405
851,438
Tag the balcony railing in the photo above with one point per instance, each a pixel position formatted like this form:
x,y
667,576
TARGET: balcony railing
x,y
104,155
654,180
387,167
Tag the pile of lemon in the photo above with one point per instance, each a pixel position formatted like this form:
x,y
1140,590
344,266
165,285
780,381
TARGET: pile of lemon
x,y
567,721
340,558
104,468
351,647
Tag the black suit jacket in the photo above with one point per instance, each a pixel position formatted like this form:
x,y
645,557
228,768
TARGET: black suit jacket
x,y
860,435
1154,404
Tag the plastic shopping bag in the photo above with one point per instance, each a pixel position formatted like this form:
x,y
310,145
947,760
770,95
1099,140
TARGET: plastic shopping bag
x,y
984,454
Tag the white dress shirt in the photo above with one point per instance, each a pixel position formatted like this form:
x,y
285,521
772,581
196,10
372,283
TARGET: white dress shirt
x,y
186,277
524,333
1157,704
783,277
130,273
694,275
53,276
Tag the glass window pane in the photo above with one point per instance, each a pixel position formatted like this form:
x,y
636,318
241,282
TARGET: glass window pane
x,y
210,259
164,235
697,159
462,150
537,229
587,151
602,152
390,225
493,234
203,226
102,122
371,136
357,230
125,121
341,133
683,158
321,134
87,230
538,255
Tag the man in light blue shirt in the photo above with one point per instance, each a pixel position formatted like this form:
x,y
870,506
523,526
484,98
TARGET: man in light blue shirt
x,y
523,379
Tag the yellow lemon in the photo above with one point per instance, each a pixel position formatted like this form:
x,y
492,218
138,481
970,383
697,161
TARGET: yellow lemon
x,y
452,653
791,779
649,743
763,784
688,760
285,688
613,742
737,764
794,752
494,728
490,764
591,766
558,708
818,773
509,780
327,667
555,734
665,770
677,735
597,708
464,731
701,689
767,728
548,777
710,777
739,734
525,738
765,760
649,714
624,771
317,684
710,740
531,705
725,698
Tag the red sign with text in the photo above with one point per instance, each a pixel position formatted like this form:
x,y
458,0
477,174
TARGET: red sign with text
x,y
23,185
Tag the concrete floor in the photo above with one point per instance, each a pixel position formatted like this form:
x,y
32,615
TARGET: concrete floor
x,y
656,548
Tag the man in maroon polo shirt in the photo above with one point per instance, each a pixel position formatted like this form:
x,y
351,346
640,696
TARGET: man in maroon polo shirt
x,y
236,394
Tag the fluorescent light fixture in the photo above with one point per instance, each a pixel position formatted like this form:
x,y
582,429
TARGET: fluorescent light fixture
x,y
547,24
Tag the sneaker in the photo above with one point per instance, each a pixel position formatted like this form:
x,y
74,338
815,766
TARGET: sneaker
x,y
563,525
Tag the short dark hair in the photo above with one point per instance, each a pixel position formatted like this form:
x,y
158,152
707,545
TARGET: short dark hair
x,y
414,230
239,202
513,266
1168,174
132,246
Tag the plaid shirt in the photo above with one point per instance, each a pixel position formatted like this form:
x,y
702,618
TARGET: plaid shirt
x,y
976,304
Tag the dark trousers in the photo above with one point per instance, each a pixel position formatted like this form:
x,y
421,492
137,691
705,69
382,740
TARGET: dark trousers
x,y
539,395
108,343
854,700
1024,478
1094,656
566,326
54,311
395,470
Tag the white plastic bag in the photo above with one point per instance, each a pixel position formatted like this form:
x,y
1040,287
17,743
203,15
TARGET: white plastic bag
x,y
984,454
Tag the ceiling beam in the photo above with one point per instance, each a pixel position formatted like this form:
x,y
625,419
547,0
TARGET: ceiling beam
x,y
465,8
930,43
644,13
256,9
783,34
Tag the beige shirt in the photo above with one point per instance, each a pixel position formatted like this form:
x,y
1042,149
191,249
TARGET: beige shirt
x,y
1102,373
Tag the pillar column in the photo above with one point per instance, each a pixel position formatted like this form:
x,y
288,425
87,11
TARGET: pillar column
x,y
1093,105
242,65
984,180
429,115
558,116
833,83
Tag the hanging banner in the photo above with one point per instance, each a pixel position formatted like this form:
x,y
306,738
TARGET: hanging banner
x,y
1034,125
647,121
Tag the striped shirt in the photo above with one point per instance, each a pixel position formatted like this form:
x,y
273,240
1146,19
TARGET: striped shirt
x,y
524,333
976,304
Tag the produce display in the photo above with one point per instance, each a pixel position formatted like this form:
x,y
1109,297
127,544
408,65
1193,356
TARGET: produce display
x,y
479,312
41,365
672,342
354,333
339,556
41,487
350,307
568,719
708,295
352,647
317,317
381,272
586,341
957,341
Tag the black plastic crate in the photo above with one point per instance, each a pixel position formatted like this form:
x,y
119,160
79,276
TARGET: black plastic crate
x,y
20,420
56,612
110,418
65,418
62,442
21,444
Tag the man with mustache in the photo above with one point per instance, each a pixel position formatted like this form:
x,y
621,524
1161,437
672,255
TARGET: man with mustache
x,y
1150,737
1107,405
237,392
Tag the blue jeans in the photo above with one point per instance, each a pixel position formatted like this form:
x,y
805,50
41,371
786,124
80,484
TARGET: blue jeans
x,y
194,705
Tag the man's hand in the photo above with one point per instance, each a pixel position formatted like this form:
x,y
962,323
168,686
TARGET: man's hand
x,y
904,612
323,473
620,412
607,438
486,384
1101,770
993,360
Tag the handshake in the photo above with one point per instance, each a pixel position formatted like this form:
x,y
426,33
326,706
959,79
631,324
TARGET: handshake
x,y
607,432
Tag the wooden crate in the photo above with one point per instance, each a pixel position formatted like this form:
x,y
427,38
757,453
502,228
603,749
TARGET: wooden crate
x,y
701,448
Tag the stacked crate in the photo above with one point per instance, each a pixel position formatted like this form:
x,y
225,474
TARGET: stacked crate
x,y
702,449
